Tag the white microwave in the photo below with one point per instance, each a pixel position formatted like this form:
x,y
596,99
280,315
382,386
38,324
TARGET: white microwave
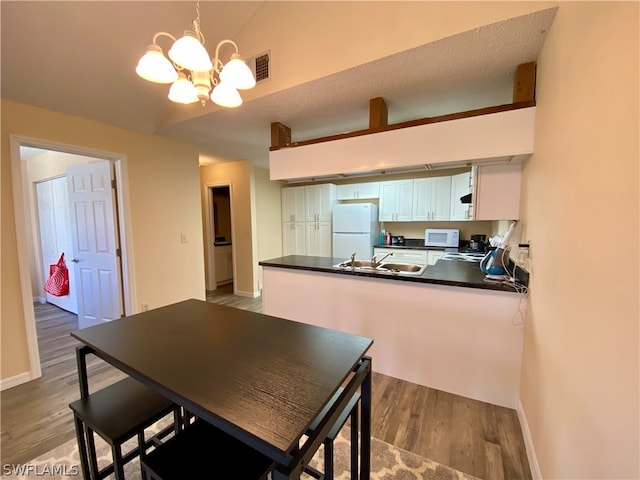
x,y
441,237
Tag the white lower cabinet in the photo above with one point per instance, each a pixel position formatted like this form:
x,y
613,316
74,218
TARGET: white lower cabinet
x,y
318,239
402,255
224,264
293,235
433,256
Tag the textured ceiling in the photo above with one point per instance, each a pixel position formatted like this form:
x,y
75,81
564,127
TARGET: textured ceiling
x,y
466,71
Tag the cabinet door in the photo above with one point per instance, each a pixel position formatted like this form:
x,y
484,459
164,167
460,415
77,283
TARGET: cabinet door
x,y
293,204
388,201
497,192
346,192
433,256
422,199
368,190
396,201
441,198
460,186
293,234
318,202
404,211
431,198
318,239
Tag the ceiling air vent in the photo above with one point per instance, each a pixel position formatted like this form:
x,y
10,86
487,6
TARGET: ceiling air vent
x,y
260,65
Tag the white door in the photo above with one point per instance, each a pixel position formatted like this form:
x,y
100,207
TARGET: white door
x,y
55,235
93,227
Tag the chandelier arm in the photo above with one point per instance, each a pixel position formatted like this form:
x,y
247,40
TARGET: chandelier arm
x,y
217,64
159,34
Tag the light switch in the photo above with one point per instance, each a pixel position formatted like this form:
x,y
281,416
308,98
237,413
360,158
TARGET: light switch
x,y
183,238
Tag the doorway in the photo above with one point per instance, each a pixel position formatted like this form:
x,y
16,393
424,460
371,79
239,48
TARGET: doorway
x,y
219,237
53,160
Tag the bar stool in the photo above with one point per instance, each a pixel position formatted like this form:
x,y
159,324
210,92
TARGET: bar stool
x,y
117,413
351,412
204,451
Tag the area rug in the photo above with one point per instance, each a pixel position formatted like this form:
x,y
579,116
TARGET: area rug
x,y
387,463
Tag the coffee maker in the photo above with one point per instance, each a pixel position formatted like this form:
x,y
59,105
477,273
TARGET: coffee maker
x,y
478,243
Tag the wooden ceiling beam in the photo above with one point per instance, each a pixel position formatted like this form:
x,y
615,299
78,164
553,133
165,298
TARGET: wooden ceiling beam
x,y
524,83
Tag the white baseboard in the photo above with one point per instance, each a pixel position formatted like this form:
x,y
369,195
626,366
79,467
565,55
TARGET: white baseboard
x,y
41,300
528,443
14,381
247,294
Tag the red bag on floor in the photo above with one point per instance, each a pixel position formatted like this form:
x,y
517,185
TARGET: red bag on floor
x,y
58,282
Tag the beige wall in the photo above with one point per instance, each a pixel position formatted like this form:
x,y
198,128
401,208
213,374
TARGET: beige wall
x,y
580,189
239,176
164,200
268,217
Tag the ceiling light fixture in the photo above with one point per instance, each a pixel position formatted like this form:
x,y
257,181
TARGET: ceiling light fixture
x,y
191,71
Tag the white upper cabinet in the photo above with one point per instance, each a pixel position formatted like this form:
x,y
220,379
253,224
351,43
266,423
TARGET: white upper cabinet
x,y
431,198
396,201
460,186
497,192
293,204
318,201
358,191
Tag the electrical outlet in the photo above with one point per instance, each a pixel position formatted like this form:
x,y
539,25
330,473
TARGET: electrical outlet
x,y
145,307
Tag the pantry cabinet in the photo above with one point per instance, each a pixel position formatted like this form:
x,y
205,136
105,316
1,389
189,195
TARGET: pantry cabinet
x,y
396,201
293,204
293,238
306,219
431,198
318,239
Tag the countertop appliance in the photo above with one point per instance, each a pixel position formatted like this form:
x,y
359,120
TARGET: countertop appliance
x,y
478,243
355,229
495,262
441,237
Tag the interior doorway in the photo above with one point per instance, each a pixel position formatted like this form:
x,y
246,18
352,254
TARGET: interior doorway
x,y
52,161
219,237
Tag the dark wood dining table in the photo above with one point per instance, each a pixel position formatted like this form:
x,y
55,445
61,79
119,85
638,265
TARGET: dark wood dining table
x,y
260,378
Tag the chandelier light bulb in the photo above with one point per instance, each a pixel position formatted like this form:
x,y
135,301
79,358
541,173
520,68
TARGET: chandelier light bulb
x,y
189,53
183,91
226,96
155,67
237,74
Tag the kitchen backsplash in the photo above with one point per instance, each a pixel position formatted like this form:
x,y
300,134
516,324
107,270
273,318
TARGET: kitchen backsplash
x,y
416,229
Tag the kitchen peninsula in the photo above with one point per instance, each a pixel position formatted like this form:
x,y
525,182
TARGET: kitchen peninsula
x,y
447,328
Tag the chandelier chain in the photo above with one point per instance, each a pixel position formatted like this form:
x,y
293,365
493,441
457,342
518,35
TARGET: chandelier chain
x,y
196,23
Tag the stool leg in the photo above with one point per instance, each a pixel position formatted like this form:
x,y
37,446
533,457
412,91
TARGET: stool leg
x,y
354,442
91,452
82,447
328,459
118,467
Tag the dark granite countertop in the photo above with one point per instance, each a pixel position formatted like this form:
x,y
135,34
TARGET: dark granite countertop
x,y
444,272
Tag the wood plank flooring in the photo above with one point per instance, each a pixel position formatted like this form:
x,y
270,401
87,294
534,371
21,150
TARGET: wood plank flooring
x,y
477,438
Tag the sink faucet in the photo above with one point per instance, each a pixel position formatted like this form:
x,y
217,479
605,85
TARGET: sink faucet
x,y
353,260
375,263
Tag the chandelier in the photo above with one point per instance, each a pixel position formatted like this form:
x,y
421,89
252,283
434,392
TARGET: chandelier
x,y
191,71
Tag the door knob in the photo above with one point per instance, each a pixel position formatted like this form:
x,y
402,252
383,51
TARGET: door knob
x,y
75,260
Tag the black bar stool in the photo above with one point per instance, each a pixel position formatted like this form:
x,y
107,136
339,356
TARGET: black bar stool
x,y
204,451
117,413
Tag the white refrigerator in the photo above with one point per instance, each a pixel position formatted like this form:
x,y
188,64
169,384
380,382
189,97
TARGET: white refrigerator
x,y
355,229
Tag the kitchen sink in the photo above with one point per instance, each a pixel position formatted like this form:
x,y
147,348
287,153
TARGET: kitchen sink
x,y
404,268
383,268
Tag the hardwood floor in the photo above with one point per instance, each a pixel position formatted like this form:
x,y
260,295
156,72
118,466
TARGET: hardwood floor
x,y
477,438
